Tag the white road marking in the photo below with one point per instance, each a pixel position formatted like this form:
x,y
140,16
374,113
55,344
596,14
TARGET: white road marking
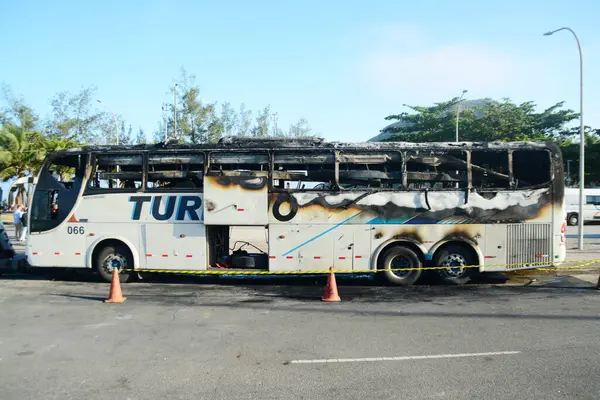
x,y
402,358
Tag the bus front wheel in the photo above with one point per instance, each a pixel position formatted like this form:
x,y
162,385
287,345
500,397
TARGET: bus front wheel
x,y
573,219
400,266
111,257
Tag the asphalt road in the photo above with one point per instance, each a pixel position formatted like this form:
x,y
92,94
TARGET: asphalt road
x,y
221,341
532,337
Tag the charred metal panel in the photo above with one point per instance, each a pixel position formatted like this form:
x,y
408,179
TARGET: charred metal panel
x,y
234,198
160,159
239,158
413,207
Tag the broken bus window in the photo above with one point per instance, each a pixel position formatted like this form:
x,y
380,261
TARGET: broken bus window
x,y
304,170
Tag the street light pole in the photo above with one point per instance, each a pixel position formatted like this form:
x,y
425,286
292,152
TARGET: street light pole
x,y
581,133
165,116
114,117
458,111
275,122
175,110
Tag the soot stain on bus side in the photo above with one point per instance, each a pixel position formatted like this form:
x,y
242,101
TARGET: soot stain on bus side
x,y
251,183
510,214
411,234
462,232
317,209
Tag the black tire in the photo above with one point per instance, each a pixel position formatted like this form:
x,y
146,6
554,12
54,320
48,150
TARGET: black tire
x,y
572,219
400,257
111,256
455,255
243,261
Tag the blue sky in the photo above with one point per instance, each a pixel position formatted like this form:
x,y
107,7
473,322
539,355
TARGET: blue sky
x,y
343,65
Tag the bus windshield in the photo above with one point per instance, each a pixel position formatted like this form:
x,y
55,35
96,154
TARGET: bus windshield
x,y
57,190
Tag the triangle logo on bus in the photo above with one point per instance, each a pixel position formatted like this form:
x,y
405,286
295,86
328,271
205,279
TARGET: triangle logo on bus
x,y
73,219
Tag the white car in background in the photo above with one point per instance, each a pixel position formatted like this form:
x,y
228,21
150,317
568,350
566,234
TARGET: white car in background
x,y
591,205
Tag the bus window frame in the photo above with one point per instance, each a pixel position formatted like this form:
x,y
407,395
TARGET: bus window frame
x,y
241,172
146,170
89,190
467,156
551,166
340,153
290,151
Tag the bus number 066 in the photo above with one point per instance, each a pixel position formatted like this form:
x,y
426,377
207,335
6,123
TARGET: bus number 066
x,y
75,230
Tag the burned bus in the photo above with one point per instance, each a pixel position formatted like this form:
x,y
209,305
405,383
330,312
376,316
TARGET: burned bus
x,y
395,207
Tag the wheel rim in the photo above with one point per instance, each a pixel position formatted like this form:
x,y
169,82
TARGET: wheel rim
x,y
399,262
113,261
456,260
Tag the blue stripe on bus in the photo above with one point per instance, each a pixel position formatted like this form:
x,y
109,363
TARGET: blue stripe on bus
x,y
323,233
381,221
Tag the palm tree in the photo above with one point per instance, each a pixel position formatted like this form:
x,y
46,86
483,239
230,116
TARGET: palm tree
x,y
22,154
49,145
19,155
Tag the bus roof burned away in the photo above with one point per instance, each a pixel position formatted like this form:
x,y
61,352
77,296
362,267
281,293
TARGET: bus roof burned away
x,y
246,143
316,164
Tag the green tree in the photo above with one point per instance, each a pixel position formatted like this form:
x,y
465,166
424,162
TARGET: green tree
x,y
125,135
244,122
300,128
78,117
204,122
263,122
229,119
21,152
197,122
491,121
141,137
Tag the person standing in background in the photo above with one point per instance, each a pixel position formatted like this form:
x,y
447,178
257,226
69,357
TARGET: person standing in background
x,y
17,221
24,216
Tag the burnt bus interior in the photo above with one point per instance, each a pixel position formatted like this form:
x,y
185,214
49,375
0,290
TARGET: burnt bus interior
x,y
301,166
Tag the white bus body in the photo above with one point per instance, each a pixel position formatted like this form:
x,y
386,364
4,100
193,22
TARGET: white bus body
x,y
359,207
591,205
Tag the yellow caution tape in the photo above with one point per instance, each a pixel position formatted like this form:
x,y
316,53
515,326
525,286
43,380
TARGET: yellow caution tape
x,y
225,271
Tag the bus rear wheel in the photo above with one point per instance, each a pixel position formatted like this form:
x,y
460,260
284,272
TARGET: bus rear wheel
x,y
111,257
573,219
394,260
456,257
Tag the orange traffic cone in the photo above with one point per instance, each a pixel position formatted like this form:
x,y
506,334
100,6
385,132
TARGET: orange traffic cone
x,y
331,292
115,295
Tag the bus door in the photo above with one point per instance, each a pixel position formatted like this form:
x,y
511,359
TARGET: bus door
x,y
236,189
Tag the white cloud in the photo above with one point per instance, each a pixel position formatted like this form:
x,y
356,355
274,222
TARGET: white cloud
x,y
440,70
402,58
